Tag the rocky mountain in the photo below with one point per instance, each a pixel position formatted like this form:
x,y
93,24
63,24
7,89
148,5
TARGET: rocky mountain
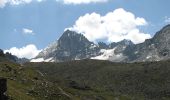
x,y
70,46
113,51
154,49
75,46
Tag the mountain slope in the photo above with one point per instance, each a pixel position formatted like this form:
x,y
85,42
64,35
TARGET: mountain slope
x,y
87,80
114,51
70,46
75,46
26,83
104,80
154,49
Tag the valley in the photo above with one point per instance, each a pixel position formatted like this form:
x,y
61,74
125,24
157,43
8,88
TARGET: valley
x,y
84,50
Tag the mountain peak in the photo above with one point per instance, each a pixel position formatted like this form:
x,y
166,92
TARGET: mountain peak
x,y
73,46
70,46
154,49
68,33
72,36
126,42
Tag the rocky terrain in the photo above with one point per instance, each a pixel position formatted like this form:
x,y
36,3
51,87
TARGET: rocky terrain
x,y
74,46
154,49
85,80
70,46
69,70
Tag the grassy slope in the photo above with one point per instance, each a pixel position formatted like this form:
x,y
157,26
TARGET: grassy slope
x,y
87,80
90,79
28,84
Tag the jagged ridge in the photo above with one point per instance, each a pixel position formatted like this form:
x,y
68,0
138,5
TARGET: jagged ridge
x,y
75,46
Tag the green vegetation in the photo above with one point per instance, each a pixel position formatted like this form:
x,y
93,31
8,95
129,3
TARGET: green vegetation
x,y
27,84
87,80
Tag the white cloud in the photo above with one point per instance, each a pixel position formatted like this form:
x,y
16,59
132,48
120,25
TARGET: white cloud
x,y
27,31
76,2
16,2
40,0
3,3
113,27
29,51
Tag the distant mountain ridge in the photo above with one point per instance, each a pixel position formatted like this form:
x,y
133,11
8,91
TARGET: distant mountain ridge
x,y
70,46
74,46
154,49
9,57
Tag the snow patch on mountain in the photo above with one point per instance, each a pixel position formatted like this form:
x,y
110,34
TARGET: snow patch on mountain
x,y
37,60
109,54
42,60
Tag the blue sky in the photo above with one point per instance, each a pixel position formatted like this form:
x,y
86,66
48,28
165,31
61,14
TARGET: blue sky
x,y
42,22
